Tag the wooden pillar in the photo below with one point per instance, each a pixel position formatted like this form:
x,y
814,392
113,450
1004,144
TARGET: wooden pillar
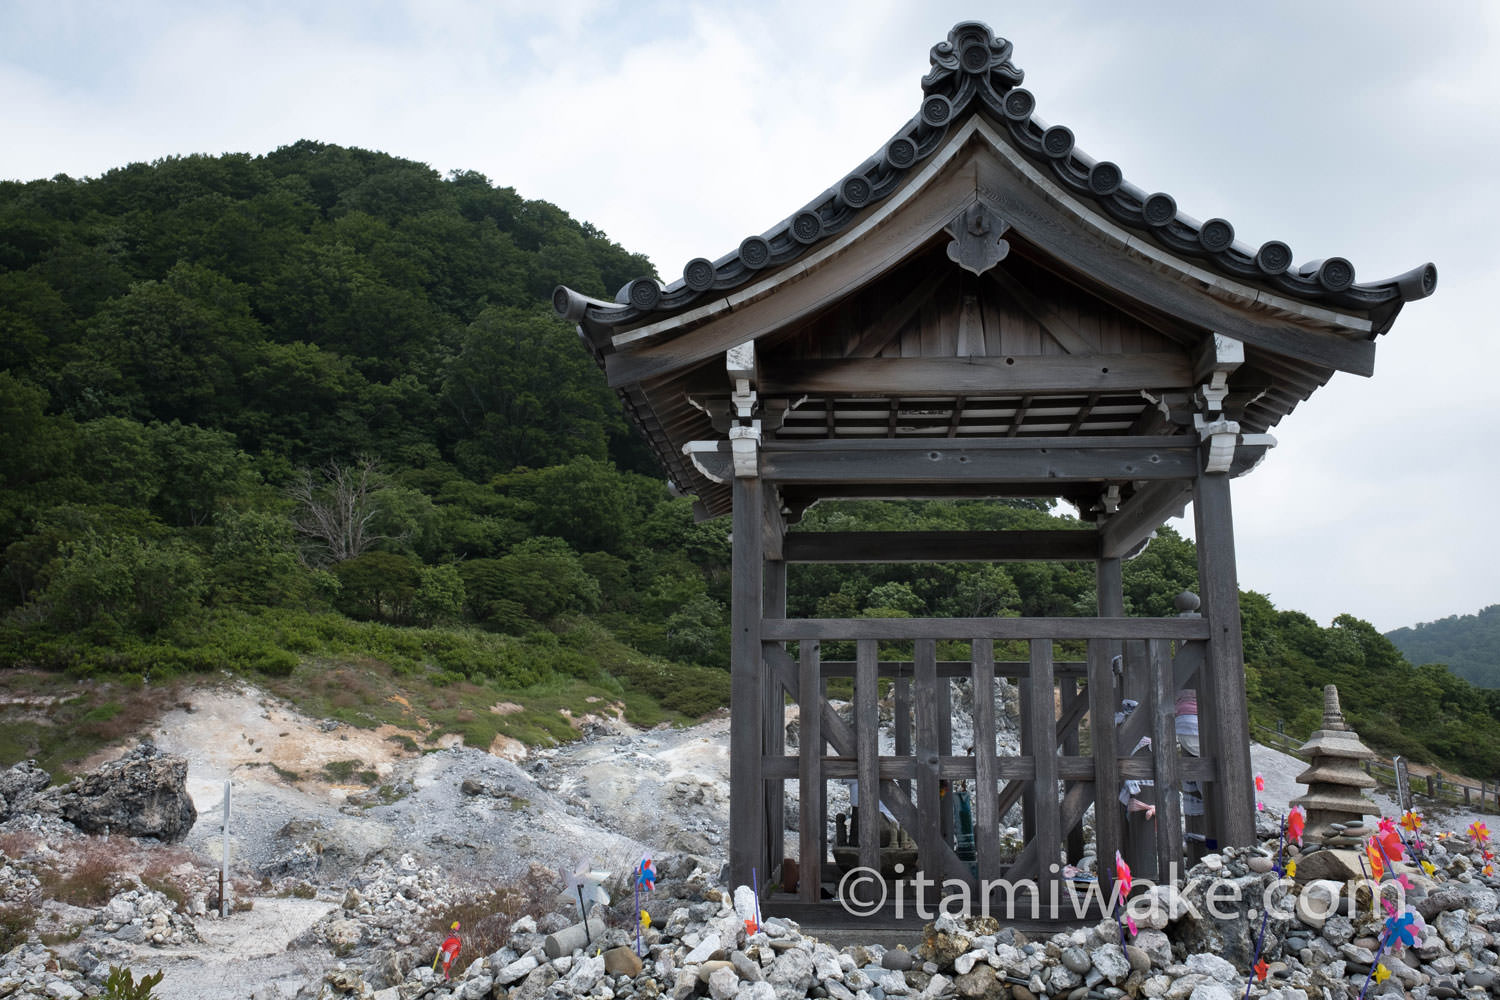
x,y
773,604
1107,815
928,833
747,803
1070,705
812,797
986,814
1226,717
867,750
1163,707
1042,722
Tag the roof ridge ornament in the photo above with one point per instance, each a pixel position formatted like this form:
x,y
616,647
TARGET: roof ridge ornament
x,y
973,64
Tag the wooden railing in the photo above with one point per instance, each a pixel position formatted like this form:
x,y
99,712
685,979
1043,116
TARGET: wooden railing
x,y
1436,786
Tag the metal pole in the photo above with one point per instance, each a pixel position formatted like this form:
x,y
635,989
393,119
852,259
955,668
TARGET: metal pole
x,y
224,859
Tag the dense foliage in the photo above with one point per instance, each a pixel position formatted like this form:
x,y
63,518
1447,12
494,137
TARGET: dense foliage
x,y
291,412
1469,645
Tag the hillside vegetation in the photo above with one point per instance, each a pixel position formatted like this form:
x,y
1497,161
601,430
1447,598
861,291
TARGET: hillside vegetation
x,y
308,416
1468,645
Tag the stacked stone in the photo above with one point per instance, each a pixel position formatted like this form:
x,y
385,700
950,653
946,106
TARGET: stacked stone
x,y
1335,780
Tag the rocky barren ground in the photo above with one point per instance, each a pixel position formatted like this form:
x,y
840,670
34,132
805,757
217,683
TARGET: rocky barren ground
x,y
344,888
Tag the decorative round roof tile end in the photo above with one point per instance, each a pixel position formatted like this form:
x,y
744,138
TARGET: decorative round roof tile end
x,y
755,252
1274,257
1019,104
1057,142
698,275
1159,209
807,227
1105,178
936,110
1335,274
643,294
1216,235
855,191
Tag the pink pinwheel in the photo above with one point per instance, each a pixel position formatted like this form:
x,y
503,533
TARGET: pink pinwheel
x,y
1479,833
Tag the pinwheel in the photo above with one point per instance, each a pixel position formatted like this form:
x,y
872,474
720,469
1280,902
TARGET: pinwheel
x,y
1479,833
1296,822
1372,852
1390,841
1405,930
645,874
645,877
1411,821
1122,875
1261,968
448,951
1382,973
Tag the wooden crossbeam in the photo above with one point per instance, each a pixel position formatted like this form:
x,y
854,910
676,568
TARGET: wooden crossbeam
x,y
939,546
1036,374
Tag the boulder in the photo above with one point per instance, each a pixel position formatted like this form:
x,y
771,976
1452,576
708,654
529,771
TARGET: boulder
x,y
143,794
19,785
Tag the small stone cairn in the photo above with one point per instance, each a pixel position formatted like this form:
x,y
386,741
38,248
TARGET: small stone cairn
x,y
1336,802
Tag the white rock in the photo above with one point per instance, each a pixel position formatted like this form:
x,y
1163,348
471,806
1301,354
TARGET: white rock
x,y
724,983
1212,966
1210,991
704,949
516,970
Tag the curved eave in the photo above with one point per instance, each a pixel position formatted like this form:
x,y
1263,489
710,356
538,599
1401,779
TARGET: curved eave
x,y
972,78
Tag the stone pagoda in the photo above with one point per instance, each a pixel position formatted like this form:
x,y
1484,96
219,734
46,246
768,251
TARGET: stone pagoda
x,y
1335,778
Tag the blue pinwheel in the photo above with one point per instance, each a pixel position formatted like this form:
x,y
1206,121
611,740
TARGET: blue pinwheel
x,y
1404,930
645,875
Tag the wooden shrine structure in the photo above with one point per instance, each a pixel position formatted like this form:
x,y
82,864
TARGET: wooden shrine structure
x,y
982,310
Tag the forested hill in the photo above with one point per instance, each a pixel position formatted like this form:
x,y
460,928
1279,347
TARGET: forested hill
x,y
1469,645
308,415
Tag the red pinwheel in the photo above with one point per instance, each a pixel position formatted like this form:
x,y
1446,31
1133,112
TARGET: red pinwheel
x,y
448,951
1261,968
1296,822
1390,842
1122,874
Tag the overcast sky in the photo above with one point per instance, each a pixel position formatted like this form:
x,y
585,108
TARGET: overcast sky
x,y
1364,130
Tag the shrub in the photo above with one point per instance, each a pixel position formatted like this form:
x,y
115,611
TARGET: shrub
x,y
121,985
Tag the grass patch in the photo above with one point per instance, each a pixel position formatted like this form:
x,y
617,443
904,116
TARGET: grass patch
x,y
95,874
58,720
16,922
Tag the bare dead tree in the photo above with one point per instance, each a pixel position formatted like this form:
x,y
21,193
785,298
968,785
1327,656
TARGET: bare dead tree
x,y
336,506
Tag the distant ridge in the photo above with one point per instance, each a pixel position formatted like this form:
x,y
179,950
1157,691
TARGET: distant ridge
x,y
1468,644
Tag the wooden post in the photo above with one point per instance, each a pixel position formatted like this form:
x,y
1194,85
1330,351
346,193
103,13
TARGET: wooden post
x,y
1168,777
1043,724
903,724
1228,715
774,606
1024,697
928,832
747,802
812,797
1107,816
986,814
1070,706
867,750
224,859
